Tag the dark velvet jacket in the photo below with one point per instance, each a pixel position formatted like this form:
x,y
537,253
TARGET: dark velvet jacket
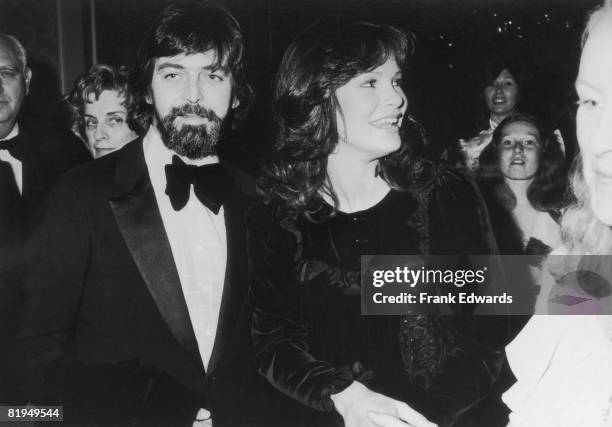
x,y
309,337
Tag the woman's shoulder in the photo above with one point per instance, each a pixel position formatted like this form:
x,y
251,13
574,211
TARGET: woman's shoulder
x,y
272,224
427,176
263,213
546,229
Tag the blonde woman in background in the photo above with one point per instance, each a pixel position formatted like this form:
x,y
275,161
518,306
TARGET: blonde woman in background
x,y
563,364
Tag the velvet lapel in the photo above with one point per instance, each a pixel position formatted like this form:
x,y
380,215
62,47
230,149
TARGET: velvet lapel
x,y
236,287
135,209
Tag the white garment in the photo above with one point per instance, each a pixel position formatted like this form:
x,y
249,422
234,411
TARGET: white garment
x,y
563,363
563,366
537,224
198,241
16,165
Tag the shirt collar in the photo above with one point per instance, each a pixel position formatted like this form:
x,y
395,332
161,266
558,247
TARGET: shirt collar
x,y
13,133
492,124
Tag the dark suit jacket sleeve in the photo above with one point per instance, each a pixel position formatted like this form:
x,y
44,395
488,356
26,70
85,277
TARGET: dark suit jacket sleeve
x,y
58,265
279,334
57,259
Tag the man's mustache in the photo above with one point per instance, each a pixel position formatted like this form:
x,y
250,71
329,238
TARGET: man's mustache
x,y
193,109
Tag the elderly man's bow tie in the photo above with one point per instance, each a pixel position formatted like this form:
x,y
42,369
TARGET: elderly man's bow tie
x,y
11,146
211,184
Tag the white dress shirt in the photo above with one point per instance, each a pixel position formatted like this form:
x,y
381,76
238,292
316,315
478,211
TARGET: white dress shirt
x,y
198,241
15,164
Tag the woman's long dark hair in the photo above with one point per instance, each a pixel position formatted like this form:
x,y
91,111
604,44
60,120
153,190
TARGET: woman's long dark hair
x,y
319,61
548,190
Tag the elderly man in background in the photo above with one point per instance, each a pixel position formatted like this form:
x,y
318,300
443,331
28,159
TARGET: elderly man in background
x,y
31,158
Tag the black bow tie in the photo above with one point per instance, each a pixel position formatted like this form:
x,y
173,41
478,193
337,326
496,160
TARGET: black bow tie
x,y
11,146
211,184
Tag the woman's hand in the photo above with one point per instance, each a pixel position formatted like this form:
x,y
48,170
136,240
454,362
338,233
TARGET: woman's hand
x,y
472,148
407,417
203,419
357,402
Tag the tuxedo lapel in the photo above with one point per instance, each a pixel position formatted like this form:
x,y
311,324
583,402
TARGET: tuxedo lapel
x,y
34,183
235,288
139,220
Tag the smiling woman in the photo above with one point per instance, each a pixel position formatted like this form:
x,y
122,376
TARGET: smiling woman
x,y
342,181
371,108
503,83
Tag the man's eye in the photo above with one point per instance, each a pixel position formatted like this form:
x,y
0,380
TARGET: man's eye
x,y
529,143
507,143
216,77
8,74
170,76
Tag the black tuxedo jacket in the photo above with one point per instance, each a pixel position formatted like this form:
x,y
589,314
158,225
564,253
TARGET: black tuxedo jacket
x,y
107,332
45,154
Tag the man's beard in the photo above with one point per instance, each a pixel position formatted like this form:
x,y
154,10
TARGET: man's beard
x,y
191,141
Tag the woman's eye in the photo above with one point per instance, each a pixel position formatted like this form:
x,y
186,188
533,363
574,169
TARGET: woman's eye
x,y
215,77
529,143
170,76
91,124
397,82
369,83
507,143
114,121
587,103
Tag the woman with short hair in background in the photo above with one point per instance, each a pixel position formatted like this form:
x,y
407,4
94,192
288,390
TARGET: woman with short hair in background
x,y
102,109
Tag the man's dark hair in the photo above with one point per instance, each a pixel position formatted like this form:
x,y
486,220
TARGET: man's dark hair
x,y
190,28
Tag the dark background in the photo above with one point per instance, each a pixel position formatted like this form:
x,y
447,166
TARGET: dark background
x,y
454,39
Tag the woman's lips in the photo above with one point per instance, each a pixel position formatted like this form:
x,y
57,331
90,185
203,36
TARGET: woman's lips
x,y
604,174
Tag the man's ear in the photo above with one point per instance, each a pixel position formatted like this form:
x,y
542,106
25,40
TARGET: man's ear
x,y
27,75
149,97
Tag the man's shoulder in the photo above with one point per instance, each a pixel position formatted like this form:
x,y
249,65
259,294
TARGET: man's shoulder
x,y
243,182
48,140
100,175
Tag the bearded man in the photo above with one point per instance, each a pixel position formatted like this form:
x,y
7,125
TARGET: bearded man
x,y
137,290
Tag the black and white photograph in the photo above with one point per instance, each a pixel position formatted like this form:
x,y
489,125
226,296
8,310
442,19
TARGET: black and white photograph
x,y
306,213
